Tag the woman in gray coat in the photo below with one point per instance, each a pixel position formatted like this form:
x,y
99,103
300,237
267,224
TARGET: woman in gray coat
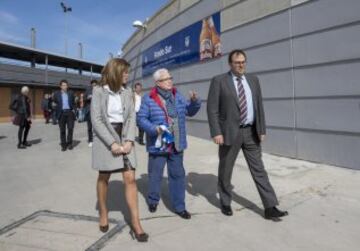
x,y
113,119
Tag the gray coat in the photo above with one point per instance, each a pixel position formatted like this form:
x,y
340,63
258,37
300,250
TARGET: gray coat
x,y
223,107
104,133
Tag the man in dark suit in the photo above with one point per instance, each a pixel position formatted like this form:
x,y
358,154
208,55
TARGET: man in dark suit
x,y
237,121
65,109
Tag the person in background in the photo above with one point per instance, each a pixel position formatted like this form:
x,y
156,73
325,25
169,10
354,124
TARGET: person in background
x,y
21,106
45,108
65,109
137,98
52,109
88,98
80,108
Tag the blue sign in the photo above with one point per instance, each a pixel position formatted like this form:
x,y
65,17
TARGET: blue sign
x,y
197,42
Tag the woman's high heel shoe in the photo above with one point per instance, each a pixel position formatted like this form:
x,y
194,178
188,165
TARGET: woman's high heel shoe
x,y
143,237
104,229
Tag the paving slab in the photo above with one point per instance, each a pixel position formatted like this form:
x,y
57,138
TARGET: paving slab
x,y
323,201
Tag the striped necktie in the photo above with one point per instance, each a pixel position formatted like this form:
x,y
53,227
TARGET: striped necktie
x,y
242,101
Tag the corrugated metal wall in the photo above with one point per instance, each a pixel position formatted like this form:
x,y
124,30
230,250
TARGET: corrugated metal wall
x,y
308,60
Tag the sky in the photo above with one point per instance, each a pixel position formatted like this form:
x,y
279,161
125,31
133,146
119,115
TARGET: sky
x,y
102,26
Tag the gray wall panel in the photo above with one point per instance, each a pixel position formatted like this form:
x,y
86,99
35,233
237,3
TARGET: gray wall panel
x,y
269,57
198,129
203,70
280,142
329,148
322,14
328,80
270,29
276,84
202,89
327,46
329,114
279,113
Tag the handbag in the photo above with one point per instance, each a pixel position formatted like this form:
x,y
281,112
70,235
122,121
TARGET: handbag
x,y
16,120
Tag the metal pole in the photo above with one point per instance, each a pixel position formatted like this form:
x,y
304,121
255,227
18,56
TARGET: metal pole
x,y
33,45
46,69
80,50
33,38
66,28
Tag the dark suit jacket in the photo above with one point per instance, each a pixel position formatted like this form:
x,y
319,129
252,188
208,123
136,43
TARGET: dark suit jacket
x,y
59,104
223,107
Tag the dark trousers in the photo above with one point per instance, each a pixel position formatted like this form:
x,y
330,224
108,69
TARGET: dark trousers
x,y
246,140
66,119
176,173
23,132
46,116
54,117
141,136
89,127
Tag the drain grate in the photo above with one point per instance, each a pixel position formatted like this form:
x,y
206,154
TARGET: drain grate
x,y
47,230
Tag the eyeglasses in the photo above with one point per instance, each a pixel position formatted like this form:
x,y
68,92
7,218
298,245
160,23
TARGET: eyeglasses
x,y
165,79
238,62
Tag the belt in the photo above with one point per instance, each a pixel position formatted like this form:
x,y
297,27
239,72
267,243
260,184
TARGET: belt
x,y
116,123
245,126
66,110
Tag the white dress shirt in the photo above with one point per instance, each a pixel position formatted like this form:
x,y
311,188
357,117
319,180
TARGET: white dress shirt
x,y
115,107
248,96
137,102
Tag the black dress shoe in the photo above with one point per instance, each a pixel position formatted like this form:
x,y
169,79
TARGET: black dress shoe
x,y
152,208
184,214
226,210
21,146
70,147
273,213
26,143
63,148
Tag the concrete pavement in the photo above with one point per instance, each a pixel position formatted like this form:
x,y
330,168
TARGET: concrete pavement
x,y
48,202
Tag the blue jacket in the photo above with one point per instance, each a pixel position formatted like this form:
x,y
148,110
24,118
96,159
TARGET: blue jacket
x,y
152,114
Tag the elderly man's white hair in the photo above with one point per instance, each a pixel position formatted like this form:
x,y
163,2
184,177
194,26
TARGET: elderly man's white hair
x,y
24,89
157,74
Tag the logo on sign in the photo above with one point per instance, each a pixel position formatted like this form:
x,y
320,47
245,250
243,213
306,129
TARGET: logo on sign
x,y
187,41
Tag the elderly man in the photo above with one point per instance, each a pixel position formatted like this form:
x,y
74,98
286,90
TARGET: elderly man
x,y
162,116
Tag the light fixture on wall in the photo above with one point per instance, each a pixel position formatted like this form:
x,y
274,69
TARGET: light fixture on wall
x,y
138,24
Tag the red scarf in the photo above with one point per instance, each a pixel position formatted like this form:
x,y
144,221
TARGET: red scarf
x,y
155,96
